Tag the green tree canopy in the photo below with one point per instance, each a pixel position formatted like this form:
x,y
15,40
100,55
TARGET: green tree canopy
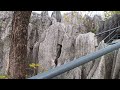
x,y
108,14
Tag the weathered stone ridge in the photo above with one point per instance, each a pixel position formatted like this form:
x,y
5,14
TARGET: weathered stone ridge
x,y
56,40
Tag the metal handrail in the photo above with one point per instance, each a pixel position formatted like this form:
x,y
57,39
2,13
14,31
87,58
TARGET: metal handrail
x,y
111,38
76,63
108,30
113,30
109,35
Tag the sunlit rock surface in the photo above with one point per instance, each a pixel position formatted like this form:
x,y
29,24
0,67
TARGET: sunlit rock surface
x,y
56,40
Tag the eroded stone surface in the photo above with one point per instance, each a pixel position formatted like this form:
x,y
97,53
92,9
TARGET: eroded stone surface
x,y
52,43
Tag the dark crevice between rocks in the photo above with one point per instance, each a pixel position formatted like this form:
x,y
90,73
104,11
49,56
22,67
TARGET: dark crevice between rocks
x,y
59,47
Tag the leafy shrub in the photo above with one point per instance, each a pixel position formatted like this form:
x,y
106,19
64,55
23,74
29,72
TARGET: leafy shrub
x,y
108,14
4,77
93,30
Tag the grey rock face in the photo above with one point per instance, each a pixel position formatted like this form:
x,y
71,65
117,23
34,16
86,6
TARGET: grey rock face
x,y
50,46
75,20
88,22
97,20
86,45
81,45
105,67
1,54
84,24
6,19
52,43
36,34
116,64
98,69
38,24
57,15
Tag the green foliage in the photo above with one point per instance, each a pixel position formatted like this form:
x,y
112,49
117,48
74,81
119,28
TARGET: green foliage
x,y
108,14
93,30
33,65
4,77
66,18
74,13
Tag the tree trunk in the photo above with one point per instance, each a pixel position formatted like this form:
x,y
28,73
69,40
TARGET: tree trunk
x,y
18,49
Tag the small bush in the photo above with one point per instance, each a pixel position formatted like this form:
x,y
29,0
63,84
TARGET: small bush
x,y
33,65
3,77
93,30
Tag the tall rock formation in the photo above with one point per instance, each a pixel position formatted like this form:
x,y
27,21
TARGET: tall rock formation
x,y
56,40
57,15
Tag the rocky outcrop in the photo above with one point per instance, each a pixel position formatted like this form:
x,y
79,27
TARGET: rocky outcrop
x,y
105,67
38,24
49,47
57,15
36,34
88,23
54,41
97,21
84,23
1,54
82,45
6,20
98,69
75,20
